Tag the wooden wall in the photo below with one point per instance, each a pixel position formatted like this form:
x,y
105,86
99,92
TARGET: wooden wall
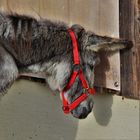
x,y
100,16
130,60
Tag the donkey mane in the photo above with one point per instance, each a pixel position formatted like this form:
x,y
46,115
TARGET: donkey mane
x,y
31,38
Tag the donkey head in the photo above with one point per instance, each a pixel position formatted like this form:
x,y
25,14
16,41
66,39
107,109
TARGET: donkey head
x,y
61,68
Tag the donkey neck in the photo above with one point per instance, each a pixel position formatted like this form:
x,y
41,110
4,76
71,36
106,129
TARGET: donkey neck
x,y
30,41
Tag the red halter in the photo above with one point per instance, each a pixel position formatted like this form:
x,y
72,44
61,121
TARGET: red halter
x,y
67,108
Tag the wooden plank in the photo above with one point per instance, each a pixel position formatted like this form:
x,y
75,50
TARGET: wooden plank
x,y
85,13
29,7
40,75
130,60
107,74
57,10
3,5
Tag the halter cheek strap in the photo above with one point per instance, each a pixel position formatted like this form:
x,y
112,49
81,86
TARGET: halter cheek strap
x,y
67,108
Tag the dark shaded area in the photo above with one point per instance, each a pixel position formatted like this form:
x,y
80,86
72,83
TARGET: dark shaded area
x,y
100,77
102,108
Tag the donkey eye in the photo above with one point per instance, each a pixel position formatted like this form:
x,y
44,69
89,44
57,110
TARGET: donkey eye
x,y
90,66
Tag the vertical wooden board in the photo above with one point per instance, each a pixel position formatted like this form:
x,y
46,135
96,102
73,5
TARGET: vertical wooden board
x,y
55,9
86,13
3,5
29,7
130,60
137,35
109,17
108,72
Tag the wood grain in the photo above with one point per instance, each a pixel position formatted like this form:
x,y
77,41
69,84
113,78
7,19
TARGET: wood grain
x,y
130,60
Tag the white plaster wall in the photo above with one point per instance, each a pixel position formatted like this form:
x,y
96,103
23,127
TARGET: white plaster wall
x,y
32,111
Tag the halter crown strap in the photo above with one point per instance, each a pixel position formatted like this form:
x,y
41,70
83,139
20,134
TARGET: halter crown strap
x,y
75,47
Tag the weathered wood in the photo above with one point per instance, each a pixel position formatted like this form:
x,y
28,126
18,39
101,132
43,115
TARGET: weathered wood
x,y
29,7
130,60
57,10
85,13
40,75
3,5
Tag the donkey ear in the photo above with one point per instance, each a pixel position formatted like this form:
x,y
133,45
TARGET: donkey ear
x,y
97,43
78,29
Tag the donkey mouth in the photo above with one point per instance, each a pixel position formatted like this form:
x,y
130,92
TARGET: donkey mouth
x,y
81,112
81,115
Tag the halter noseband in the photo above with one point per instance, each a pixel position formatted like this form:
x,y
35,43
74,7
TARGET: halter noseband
x,y
67,108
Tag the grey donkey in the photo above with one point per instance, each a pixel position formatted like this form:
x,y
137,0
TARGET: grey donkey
x,y
28,45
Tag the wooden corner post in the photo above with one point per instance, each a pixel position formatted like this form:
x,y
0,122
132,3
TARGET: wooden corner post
x,y
130,60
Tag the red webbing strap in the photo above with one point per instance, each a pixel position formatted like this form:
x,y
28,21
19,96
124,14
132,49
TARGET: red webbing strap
x,y
76,102
75,47
71,81
84,83
67,108
65,104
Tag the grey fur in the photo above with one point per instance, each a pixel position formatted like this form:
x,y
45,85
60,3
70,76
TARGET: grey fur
x,y
8,70
30,45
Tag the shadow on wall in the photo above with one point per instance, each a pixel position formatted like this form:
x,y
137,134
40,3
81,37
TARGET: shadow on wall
x,y
102,103
102,110
32,111
101,69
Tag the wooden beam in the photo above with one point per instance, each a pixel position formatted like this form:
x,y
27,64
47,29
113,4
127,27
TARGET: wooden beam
x,y
130,60
40,75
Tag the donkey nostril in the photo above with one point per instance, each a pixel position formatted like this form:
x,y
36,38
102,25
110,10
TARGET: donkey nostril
x,y
84,110
84,113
